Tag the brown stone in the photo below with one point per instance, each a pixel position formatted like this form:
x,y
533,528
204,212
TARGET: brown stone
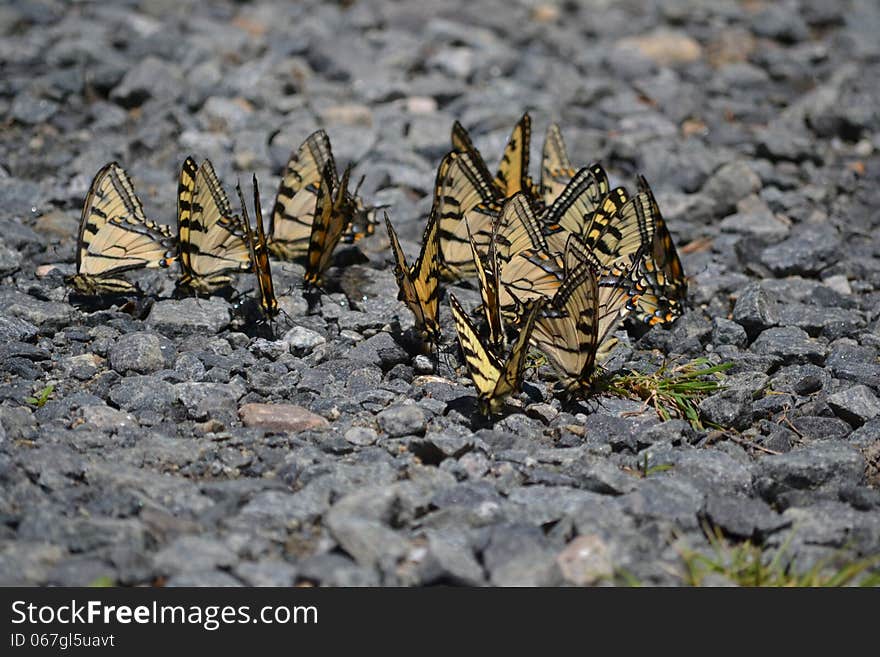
x,y
350,114
585,561
545,13
280,417
58,223
664,47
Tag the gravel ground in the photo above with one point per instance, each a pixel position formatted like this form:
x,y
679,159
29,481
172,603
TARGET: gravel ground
x,y
155,459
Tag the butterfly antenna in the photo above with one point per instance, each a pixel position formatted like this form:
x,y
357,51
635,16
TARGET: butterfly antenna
x,y
357,187
288,319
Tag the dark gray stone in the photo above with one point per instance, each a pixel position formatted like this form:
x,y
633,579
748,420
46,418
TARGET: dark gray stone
x,y
189,554
15,329
204,578
732,182
833,524
755,310
141,353
455,558
742,517
665,498
209,400
405,420
31,109
301,340
187,316
380,349
709,470
778,22
800,379
139,393
520,555
806,253
729,409
82,571
266,573
18,423
368,542
791,344
151,78
855,363
812,427
827,321
335,570
599,476
809,473
725,331
855,405
781,143
540,505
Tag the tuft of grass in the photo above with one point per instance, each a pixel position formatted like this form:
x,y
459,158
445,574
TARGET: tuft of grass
x,y
40,398
747,564
674,392
102,582
643,470
646,471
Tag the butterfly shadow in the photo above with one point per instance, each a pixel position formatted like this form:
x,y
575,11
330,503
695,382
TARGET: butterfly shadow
x,y
254,323
227,292
469,406
138,306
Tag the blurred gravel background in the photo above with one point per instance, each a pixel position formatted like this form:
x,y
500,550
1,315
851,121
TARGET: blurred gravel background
x,y
154,460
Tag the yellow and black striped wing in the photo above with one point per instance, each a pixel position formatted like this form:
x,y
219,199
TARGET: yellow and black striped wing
x,y
574,208
483,366
518,229
513,171
528,270
259,252
332,215
461,188
462,143
290,227
660,275
621,226
556,169
214,242
115,236
488,277
618,282
514,368
568,329
530,274
186,189
420,285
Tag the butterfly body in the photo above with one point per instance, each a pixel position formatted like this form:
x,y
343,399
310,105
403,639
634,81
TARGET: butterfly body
x,y
259,255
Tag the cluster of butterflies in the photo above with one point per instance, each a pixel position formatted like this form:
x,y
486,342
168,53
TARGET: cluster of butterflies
x,y
314,211
559,264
